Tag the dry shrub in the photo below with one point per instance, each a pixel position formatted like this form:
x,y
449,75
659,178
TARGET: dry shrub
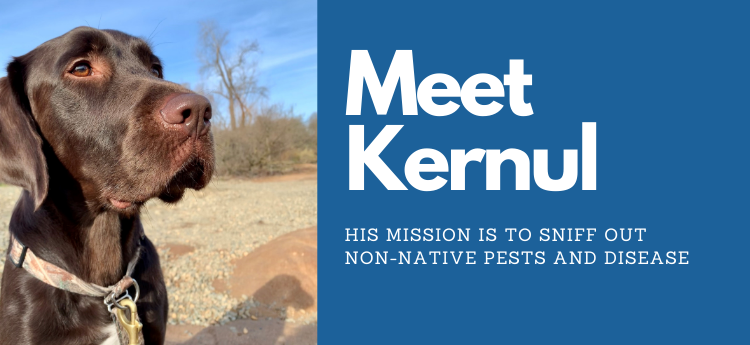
x,y
273,143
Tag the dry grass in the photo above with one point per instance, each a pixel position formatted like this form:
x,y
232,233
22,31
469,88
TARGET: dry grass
x,y
274,143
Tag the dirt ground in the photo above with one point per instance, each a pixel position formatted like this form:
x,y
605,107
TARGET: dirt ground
x,y
239,259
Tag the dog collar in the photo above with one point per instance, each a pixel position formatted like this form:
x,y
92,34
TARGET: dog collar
x,y
23,257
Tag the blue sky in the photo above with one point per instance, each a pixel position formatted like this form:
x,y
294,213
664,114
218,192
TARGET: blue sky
x,y
285,29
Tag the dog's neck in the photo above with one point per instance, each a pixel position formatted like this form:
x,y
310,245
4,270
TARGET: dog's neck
x,y
95,245
105,243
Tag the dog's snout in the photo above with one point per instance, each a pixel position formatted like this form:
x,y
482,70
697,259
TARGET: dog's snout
x,y
191,112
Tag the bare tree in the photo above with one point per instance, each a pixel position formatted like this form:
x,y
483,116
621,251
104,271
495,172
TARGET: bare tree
x,y
236,70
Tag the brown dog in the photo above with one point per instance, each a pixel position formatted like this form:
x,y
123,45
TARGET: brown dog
x,y
90,130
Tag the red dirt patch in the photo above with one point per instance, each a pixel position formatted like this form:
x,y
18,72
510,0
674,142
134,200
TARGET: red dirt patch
x,y
176,249
220,285
302,172
261,332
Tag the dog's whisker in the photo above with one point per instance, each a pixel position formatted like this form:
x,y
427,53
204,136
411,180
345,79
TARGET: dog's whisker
x,y
150,36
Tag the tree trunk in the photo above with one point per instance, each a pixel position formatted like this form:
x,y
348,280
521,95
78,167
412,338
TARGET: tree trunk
x,y
232,118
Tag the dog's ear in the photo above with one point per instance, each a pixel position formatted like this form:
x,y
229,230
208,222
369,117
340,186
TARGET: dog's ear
x,y
22,162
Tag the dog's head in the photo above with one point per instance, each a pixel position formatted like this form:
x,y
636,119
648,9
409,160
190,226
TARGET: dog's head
x,y
96,100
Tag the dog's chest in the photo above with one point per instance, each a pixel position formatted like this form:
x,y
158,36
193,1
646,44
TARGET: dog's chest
x,y
111,334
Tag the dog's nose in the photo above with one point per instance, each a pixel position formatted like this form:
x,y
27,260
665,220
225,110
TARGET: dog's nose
x,y
191,111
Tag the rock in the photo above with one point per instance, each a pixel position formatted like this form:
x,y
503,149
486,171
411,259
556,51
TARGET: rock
x,y
273,275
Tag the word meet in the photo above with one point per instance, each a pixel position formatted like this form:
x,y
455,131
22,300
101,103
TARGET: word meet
x,y
401,71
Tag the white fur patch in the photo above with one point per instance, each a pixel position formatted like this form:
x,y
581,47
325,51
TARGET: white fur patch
x,y
112,338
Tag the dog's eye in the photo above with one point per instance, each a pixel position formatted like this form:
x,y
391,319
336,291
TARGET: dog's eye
x,y
156,71
81,69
